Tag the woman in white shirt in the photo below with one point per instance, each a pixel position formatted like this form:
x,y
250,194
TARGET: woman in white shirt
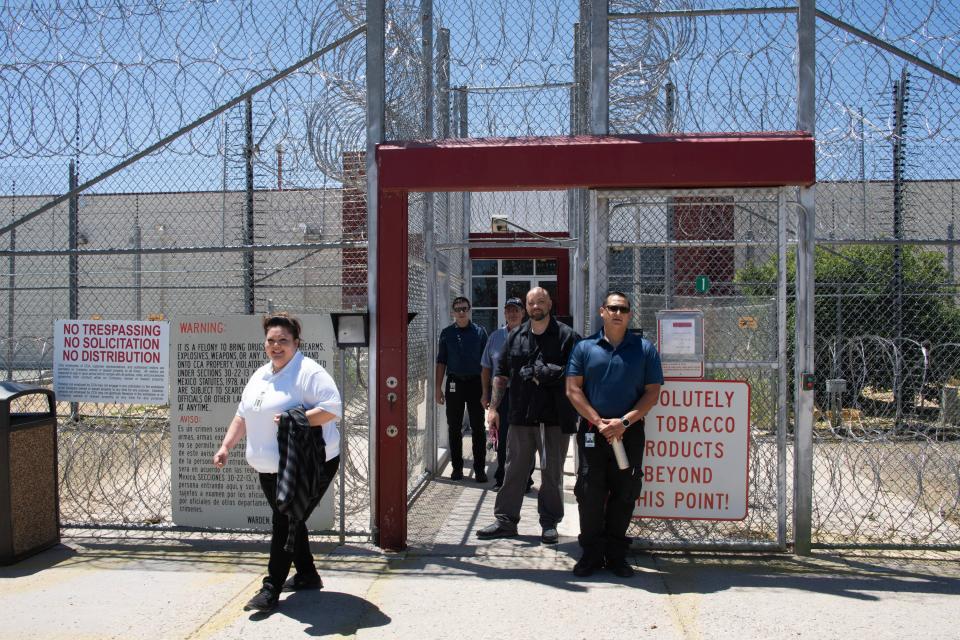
x,y
288,380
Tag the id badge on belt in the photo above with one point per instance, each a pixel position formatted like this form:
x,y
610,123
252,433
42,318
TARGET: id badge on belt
x,y
453,387
588,440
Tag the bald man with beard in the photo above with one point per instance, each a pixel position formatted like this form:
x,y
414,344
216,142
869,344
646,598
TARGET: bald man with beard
x,y
531,369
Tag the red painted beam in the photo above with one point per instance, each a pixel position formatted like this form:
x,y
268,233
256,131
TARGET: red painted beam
x,y
661,161
391,410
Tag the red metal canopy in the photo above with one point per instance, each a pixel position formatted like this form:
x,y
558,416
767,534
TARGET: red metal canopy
x,y
639,161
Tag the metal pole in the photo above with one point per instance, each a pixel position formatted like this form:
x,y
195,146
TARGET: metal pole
x,y
248,236
137,261
466,270
426,23
669,255
344,429
376,116
670,107
899,157
863,171
11,284
806,243
599,228
73,262
443,81
599,67
950,258
443,105
782,394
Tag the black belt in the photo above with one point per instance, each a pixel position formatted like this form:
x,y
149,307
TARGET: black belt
x,y
463,378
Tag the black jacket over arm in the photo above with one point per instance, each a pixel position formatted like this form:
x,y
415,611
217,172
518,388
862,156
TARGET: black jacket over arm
x,y
300,480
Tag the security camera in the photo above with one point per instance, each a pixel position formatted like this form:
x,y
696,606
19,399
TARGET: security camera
x,y
498,224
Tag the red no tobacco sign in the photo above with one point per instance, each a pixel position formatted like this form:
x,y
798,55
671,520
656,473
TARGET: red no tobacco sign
x,y
696,452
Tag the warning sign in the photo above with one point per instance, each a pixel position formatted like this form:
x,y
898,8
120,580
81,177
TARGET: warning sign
x,y
696,452
110,361
212,360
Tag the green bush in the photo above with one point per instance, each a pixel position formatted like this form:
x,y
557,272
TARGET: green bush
x,y
855,297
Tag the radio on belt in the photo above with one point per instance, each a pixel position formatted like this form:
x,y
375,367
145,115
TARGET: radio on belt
x,y
680,342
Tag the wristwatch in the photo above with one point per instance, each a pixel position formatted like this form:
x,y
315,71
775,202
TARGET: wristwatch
x,y
625,422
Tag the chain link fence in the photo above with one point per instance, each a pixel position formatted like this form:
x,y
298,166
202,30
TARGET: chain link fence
x,y
210,157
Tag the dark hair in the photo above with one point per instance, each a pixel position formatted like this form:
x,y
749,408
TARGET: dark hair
x,y
616,292
460,299
282,319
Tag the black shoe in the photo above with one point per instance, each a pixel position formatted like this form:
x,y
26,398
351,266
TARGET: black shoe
x,y
496,486
456,474
585,566
549,535
495,530
481,476
620,568
303,583
529,486
266,600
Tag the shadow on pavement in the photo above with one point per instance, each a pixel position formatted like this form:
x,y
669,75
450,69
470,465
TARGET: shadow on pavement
x,y
329,613
47,559
859,578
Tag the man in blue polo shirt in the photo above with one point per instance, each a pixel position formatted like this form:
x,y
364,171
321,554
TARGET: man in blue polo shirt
x,y
613,379
458,357
513,314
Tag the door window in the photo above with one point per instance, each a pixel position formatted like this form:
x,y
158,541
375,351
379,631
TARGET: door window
x,y
494,281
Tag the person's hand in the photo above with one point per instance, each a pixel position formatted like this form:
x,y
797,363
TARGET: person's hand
x,y
220,457
485,401
493,419
276,419
611,429
439,395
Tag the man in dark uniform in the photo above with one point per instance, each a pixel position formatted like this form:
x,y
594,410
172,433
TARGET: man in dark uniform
x,y
613,379
533,361
458,356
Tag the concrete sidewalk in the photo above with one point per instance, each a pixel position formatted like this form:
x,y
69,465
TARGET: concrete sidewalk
x,y
109,584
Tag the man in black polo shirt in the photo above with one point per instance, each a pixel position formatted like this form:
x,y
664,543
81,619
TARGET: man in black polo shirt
x,y
458,356
541,418
613,379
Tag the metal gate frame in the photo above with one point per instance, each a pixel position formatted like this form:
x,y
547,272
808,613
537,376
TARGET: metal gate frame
x,y
741,160
599,234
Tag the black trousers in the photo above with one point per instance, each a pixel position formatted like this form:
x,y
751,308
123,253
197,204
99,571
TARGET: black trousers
x,y
464,393
279,566
606,496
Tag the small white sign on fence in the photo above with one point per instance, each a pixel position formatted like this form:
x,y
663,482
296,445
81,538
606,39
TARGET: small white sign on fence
x,y
695,461
117,361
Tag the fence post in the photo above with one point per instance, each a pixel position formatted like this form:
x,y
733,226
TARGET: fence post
x,y
429,236
137,261
806,243
73,214
344,428
11,283
465,268
376,100
248,236
599,67
900,89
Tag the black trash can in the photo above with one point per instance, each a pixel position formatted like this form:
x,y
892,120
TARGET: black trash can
x,y
29,499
